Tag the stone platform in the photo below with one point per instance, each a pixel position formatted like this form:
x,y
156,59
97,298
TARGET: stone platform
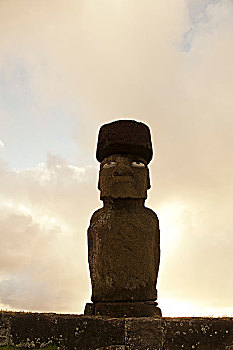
x,y
35,330
123,309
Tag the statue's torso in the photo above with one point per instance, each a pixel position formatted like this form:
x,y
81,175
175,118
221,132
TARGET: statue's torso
x,y
124,254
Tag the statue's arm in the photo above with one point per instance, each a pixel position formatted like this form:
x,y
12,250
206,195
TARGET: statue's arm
x,y
157,245
91,237
156,237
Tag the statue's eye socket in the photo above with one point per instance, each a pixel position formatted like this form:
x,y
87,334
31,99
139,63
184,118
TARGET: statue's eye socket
x,y
109,165
138,164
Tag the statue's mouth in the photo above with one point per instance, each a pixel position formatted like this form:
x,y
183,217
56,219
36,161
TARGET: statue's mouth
x,y
122,177
125,174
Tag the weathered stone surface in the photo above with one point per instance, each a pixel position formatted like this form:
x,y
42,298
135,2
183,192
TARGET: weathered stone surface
x,y
123,236
143,334
113,347
75,332
33,330
123,242
197,333
124,136
66,331
5,319
123,176
89,309
126,309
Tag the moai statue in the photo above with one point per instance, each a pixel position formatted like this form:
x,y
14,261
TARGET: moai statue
x,y
123,237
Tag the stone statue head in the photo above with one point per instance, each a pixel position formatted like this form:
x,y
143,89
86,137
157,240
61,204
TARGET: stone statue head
x,y
124,150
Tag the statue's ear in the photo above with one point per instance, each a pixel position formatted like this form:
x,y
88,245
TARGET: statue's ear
x,y
99,178
99,182
148,179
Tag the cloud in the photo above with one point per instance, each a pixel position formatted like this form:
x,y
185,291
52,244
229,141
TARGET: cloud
x,y
114,60
43,223
92,60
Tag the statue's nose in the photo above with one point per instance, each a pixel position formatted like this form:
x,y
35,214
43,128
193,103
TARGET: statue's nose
x,y
122,170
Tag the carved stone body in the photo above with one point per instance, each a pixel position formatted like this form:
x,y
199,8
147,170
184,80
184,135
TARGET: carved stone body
x,y
123,244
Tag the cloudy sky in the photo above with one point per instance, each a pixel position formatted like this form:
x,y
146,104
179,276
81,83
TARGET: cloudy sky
x,y
67,67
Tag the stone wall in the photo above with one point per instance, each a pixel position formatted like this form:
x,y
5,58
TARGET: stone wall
x,y
56,331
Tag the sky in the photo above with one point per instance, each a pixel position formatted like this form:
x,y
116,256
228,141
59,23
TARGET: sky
x,y
66,68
